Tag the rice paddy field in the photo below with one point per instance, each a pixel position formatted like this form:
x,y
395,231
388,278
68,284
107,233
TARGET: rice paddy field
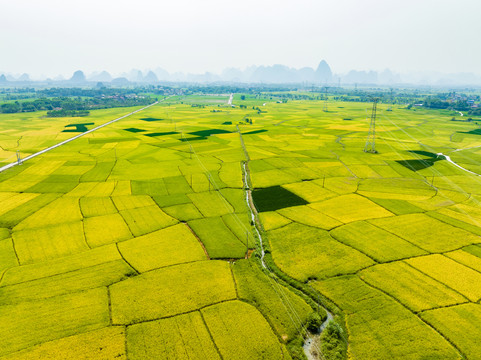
x,y
136,241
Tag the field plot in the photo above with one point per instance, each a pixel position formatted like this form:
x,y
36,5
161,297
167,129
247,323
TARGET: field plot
x,y
381,328
178,337
272,299
129,217
455,275
305,252
427,233
460,325
348,208
169,246
406,284
171,291
106,343
256,332
218,239
31,323
379,244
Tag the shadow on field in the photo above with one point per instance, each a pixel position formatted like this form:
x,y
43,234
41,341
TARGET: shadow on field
x,y
151,119
209,132
255,132
77,127
161,133
275,198
472,132
135,130
420,164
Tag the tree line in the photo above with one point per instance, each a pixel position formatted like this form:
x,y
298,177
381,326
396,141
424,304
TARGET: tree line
x,y
66,106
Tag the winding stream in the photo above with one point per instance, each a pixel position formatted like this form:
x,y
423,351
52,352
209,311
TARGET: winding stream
x,y
310,346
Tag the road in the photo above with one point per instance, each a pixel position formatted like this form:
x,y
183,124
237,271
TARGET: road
x,y
459,166
74,138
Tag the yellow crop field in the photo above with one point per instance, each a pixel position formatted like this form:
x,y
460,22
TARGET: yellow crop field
x,y
31,323
183,212
310,191
218,239
171,291
222,318
106,343
272,220
146,219
374,320
397,188
14,201
339,185
273,300
458,277
62,210
230,174
173,245
305,252
7,253
96,206
466,258
460,324
211,203
131,202
409,285
427,233
348,208
44,243
69,282
61,265
105,229
308,216
375,242
178,337
106,242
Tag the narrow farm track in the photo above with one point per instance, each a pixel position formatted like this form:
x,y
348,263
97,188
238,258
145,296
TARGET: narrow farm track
x,y
8,166
311,342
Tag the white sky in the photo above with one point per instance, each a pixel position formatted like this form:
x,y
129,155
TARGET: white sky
x,y
51,37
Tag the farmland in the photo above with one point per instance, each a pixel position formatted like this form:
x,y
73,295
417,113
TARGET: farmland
x,y
133,239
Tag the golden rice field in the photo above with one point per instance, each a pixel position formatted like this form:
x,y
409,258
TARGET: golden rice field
x,y
130,242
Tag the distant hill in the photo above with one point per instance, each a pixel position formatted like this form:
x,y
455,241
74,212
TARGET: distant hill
x,y
103,76
78,77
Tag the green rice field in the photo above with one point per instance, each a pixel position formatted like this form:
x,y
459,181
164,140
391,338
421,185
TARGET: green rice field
x,y
136,241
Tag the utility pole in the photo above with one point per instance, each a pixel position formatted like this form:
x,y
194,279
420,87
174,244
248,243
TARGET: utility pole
x,y
325,101
370,146
247,244
19,160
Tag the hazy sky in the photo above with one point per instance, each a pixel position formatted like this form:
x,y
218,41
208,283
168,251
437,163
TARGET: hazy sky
x,y
53,37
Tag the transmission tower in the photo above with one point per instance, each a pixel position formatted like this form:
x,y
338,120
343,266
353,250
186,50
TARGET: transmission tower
x,y
370,146
325,102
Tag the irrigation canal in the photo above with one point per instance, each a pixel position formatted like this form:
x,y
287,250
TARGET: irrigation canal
x,y
310,343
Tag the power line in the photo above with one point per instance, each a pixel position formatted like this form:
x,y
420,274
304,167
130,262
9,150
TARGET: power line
x,y
370,146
